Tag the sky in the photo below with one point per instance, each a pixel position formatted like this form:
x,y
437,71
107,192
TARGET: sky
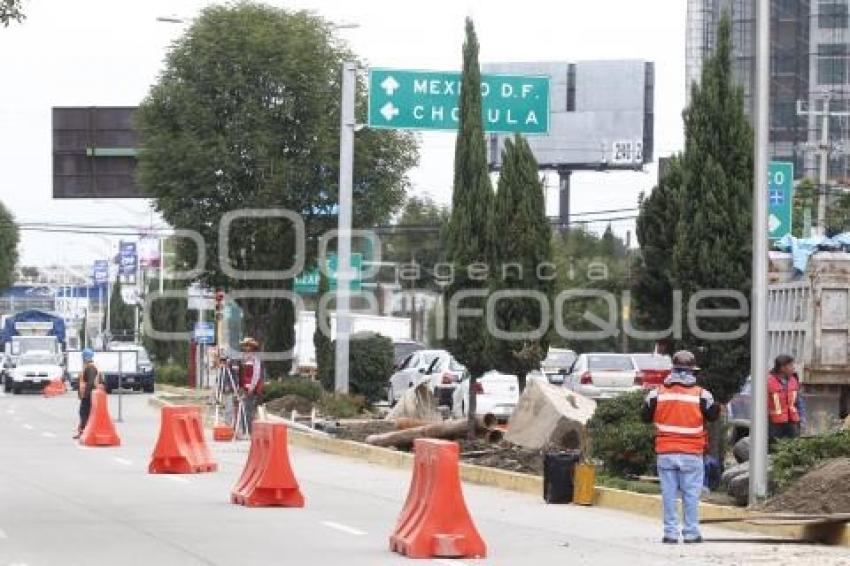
x,y
109,52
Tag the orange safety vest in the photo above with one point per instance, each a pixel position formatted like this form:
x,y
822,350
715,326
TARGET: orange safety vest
x,y
782,404
679,421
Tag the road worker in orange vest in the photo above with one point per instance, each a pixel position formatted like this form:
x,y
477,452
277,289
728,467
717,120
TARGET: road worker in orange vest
x,y
785,407
679,409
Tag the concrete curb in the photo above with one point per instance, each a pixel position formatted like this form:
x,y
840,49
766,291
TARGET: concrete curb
x,y
609,498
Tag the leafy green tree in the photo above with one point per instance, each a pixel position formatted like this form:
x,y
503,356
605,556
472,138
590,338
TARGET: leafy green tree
x,y
416,240
521,244
168,315
11,10
656,228
370,367
121,315
713,247
586,261
469,235
837,210
322,342
9,239
245,115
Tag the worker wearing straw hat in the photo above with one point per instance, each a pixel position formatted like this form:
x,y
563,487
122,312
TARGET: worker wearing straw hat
x,y
250,377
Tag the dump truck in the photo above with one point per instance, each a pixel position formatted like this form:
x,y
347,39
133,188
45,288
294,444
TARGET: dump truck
x,y
809,318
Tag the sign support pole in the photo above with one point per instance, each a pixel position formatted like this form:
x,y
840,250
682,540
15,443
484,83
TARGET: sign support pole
x,y
758,327
346,174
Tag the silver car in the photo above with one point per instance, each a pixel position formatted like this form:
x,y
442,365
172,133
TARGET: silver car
x,y
604,375
409,373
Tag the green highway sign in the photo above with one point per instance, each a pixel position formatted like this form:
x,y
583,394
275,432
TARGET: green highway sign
x,y
428,100
780,198
308,282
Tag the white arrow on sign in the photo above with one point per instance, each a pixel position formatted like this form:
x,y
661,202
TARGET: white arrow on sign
x,y
773,223
390,85
388,111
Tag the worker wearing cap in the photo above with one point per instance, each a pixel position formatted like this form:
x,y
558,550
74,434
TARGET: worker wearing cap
x,y
250,378
88,380
679,409
784,404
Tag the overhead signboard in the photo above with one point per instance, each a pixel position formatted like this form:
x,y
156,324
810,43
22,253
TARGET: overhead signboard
x,y
780,198
100,271
308,283
428,100
127,261
94,152
204,333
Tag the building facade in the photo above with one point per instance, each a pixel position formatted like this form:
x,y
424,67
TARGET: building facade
x,y
809,47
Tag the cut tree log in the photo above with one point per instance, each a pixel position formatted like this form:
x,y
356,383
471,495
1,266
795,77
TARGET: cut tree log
x,y
447,430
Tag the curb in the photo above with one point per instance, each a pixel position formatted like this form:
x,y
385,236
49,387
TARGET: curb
x,y
606,497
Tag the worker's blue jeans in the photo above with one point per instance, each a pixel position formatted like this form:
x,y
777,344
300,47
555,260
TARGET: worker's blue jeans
x,y
681,473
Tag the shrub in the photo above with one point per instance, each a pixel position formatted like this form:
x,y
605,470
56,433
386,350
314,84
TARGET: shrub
x,y
370,366
796,456
300,386
625,445
339,406
172,374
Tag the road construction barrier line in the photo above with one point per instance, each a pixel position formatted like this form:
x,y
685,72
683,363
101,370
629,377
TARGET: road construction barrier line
x,y
180,447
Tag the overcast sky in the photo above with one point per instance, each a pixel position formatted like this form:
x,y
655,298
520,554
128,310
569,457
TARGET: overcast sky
x,y
108,53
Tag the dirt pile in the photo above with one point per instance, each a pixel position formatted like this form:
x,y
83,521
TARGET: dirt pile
x,y
284,406
359,430
504,456
825,489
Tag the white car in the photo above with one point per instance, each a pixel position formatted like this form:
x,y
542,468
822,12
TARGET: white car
x,y
497,394
34,371
445,373
409,373
557,364
604,375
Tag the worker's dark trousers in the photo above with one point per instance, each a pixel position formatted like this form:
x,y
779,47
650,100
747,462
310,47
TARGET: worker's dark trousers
x,y
85,409
782,430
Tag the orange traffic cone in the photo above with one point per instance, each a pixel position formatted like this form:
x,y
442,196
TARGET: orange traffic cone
x,y
54,388
99,431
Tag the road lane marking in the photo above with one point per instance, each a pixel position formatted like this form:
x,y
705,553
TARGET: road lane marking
x,y
10,411
3,534
82,447
28,426
122,461
47,434
448,562
172,477
343,528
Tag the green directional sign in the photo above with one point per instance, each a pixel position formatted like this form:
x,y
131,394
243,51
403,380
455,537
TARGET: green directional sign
x,y
308,283
780,198
428,100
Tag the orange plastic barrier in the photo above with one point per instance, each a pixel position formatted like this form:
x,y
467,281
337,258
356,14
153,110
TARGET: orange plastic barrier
x,y
100,430
181,448
223,433
54,388
435,521
267,479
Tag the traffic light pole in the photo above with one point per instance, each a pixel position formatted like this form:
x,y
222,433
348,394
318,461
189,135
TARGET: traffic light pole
x,y
346,173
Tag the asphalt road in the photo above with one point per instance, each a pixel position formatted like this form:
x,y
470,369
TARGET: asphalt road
x,y
61,504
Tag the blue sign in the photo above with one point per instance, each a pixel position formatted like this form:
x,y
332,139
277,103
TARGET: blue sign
x,y
127,258
100,272
204,333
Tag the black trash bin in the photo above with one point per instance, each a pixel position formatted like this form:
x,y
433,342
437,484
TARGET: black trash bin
x,y
558,470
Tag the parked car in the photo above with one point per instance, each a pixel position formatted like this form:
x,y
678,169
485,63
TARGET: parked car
x,y
654,368
402,349
739,411
557,364
409,373
33,371
445,373
497,394
604,375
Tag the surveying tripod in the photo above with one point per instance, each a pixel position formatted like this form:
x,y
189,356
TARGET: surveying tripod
x,y
228,400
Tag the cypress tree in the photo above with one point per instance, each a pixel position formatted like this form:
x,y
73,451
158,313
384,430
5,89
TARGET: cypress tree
x,y
713,249
321,341
468,237
522,243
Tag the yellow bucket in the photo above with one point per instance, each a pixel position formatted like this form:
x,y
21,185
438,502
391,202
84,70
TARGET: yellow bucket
x,y
584,481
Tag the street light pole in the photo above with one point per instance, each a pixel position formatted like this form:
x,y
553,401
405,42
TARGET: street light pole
x,y
758,327
346,173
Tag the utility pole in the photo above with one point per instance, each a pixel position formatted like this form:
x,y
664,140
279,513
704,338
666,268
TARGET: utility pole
x,y
346,174
824,149
758,326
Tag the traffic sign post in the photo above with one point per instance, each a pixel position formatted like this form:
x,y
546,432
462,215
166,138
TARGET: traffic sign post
x,y
780,198
428,100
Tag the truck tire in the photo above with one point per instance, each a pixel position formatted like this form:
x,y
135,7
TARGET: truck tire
x,y
148,388
16,389
7,386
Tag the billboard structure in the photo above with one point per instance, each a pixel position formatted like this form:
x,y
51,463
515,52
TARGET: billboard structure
x,y
601,118
94,152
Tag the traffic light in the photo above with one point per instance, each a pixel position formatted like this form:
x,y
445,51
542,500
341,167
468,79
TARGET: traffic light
x,y
219,303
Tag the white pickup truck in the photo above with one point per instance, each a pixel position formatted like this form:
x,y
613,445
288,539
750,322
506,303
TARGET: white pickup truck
x,y
33,371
